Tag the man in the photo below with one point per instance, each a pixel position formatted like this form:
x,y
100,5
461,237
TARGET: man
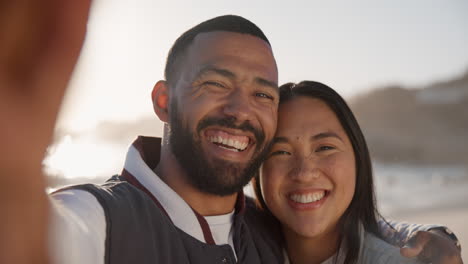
x,y
219,104
183,203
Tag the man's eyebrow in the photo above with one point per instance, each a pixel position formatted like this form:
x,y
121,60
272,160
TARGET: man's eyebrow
x,y
267,83
325,135
213,69
229,74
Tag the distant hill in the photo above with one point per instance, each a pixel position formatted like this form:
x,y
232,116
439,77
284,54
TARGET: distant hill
x,y
426,125
422,125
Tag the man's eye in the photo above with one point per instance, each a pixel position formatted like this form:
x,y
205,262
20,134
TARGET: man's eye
x,y
324,148
264,95
212,83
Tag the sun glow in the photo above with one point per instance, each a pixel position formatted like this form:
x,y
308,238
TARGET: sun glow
x,y
83,157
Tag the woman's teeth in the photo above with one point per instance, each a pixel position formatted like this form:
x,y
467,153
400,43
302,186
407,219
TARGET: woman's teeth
x,y
307,198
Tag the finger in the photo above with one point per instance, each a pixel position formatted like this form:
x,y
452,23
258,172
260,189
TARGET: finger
x,y
66,39
21,31
32,31
36,68
415,245
410,252
59,60
452,259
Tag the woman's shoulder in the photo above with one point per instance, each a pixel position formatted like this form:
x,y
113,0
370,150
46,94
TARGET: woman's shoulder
x,y
376,250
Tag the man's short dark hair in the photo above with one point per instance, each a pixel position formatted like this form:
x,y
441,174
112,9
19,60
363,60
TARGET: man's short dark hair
x,y
229,23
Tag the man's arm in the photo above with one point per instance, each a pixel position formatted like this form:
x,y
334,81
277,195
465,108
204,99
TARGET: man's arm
x,y
39,45
429,243
78,228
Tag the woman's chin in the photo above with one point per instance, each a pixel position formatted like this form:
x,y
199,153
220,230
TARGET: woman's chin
x,y
307,229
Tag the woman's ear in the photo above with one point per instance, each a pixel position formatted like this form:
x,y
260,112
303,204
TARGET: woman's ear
x,y
160,98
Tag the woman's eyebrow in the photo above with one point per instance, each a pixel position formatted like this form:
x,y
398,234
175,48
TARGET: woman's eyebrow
x,y
325,135
312,138
280,140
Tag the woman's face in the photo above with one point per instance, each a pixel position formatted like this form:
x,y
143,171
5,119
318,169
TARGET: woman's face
x,y
309,177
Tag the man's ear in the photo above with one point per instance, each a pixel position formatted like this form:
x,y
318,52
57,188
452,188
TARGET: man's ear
x,y
160,97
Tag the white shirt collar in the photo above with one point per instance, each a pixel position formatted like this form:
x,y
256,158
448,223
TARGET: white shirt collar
x,y
145,152
178,210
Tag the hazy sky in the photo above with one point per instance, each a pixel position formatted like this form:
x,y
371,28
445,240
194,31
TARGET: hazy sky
x,y
351,46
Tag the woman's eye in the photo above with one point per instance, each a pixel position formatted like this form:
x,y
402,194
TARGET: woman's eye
x,y
279,152
324,148
264,95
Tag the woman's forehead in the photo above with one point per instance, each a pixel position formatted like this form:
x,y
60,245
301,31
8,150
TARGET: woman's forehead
x,y
304,110
304,116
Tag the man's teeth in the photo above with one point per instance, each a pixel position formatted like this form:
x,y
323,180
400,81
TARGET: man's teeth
x,y
237,145
307,198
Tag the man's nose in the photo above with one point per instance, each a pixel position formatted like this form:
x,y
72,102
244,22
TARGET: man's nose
x,y
239,107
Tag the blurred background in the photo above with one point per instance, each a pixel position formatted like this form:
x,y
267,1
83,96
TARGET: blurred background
x,y
402,66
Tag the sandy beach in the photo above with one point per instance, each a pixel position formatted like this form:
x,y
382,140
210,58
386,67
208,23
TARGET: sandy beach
x,y
454,218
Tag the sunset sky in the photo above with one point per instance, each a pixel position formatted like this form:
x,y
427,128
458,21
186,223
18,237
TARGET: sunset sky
x,y
352,46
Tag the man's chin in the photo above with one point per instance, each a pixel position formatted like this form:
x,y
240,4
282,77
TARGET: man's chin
x,y
227,167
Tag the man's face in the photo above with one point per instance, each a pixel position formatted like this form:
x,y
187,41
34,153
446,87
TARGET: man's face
x,y
223,110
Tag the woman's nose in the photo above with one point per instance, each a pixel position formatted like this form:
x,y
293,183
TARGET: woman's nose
x,y
305,170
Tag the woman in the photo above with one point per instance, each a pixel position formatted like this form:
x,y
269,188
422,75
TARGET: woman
x,y
317,181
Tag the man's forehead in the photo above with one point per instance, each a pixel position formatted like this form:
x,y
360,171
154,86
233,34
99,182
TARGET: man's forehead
x,y
225,48
229,39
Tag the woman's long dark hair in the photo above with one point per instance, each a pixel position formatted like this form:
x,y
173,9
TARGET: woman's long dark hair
x,y
362,209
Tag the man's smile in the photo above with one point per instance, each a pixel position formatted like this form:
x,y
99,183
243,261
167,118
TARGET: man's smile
x,y
226,140
229,144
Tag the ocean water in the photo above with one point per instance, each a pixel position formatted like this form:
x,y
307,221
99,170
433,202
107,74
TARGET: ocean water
x,y
401,188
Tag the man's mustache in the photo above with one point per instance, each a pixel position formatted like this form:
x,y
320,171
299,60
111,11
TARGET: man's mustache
x,y
229,122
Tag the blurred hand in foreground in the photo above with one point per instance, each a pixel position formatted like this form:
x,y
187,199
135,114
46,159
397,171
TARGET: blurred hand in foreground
x,y
432,247
40,42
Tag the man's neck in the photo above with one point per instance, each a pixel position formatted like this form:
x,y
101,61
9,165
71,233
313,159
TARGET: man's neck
x,y
172,173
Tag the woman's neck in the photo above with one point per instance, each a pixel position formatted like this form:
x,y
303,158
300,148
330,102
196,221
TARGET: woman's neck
x,y
311,250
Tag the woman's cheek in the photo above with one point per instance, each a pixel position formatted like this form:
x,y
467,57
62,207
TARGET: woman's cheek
x,y
342,172
265,179
274,176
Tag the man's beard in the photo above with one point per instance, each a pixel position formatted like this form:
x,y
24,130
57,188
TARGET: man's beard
x,y
219,177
